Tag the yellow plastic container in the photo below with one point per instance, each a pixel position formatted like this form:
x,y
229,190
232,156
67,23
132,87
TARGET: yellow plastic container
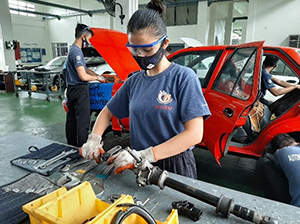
x,y
80,205
32,206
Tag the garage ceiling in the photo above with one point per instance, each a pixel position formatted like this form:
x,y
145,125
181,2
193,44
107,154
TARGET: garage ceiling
x,y
240,7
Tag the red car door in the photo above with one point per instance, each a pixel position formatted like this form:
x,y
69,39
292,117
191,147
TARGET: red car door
x,y
230,94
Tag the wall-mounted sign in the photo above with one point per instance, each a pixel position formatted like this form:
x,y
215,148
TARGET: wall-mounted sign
x,y
36,55
29,55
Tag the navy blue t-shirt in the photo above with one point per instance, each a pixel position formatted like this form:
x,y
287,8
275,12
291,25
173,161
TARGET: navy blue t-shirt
x,y
288,160
158,106
75,59
267,82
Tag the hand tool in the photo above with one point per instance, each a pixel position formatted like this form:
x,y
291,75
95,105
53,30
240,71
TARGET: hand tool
x,y
70,180
45,187
140,203
54,159
111,152
98,181
147,174
68,167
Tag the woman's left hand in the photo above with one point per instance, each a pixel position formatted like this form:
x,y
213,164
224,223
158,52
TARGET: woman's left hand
x,y
123,160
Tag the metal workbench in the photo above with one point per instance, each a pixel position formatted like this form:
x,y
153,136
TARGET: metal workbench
x,y
159,204
44,76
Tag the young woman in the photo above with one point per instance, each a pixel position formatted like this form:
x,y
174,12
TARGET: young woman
x,y
164,102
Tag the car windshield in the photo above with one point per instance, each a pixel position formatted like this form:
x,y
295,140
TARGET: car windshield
x,y
199,61
94,61
57,62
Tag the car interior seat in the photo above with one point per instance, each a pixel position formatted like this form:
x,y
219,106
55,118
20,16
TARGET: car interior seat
x,y
284,103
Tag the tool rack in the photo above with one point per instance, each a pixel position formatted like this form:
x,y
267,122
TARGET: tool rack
x,y
44,76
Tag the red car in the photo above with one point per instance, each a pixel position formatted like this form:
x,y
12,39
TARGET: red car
x,y
230,78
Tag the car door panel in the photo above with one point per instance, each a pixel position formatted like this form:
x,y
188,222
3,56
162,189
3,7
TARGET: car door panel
x,y
228,108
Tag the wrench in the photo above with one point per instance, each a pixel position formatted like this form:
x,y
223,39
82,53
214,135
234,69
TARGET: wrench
x,y
111,152
70,180
68,167
44,188
54,159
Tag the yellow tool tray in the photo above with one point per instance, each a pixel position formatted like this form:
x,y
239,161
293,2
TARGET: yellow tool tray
x,y
80,205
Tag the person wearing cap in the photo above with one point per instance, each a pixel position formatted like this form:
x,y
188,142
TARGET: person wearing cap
x,y
77,77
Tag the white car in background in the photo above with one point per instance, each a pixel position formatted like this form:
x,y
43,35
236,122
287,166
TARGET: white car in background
x,y
95,62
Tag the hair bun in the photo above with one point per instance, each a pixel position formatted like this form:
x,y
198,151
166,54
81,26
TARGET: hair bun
x,y
157,5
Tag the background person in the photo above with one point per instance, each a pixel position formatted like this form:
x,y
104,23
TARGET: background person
x,y
268,80
77,77
164,102
287,158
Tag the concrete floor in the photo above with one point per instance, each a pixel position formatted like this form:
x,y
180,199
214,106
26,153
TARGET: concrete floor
x,y
35,116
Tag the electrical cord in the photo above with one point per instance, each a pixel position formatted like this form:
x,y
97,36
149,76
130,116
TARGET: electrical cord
x,y
133,209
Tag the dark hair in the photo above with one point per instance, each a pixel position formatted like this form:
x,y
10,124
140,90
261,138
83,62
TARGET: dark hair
x,y
281,140
270,61
149,18
79,30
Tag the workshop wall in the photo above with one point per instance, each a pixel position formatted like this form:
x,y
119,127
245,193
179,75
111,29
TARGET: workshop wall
x,y
31,32
273,21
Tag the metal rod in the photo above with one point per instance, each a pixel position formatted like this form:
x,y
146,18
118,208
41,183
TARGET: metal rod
x,y
191,191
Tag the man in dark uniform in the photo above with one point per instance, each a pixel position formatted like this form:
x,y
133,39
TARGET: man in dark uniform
x,y
77,77
268,80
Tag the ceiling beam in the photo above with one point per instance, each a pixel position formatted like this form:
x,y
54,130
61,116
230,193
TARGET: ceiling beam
x,y
36,13
60,6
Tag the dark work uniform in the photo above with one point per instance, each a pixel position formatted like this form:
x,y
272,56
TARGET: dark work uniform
x,y
78,100
158,106
266,84
288,160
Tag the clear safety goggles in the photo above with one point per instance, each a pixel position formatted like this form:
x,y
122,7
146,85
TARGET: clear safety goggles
x,y
144,49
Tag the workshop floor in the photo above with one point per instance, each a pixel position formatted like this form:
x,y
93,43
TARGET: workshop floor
x,y
44,119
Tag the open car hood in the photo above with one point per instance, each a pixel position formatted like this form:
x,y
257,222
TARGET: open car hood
x,y
111,45
191,42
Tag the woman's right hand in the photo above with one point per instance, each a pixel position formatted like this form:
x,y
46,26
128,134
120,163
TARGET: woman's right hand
x,y
93,148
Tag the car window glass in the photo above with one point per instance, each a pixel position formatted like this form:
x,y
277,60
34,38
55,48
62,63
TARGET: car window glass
x,y
59,61
283,71
236,79
199,61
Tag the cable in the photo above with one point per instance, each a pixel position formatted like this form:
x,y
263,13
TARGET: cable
x,y
133,209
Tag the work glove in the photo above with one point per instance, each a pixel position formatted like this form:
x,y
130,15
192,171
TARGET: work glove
x,y
93,148
123,160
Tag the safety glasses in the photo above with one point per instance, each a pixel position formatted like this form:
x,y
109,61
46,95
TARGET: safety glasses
x,y
88,29
144,49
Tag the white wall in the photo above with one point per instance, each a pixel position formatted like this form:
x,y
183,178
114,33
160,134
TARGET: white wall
x,y
273,21
31,32
36,32
269,20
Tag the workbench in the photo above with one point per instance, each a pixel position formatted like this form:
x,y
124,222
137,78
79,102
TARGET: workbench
x,y
159,203
44,76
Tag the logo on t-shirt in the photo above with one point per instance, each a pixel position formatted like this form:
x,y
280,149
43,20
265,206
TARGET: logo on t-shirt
x,y
269,81
78,58
164,98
